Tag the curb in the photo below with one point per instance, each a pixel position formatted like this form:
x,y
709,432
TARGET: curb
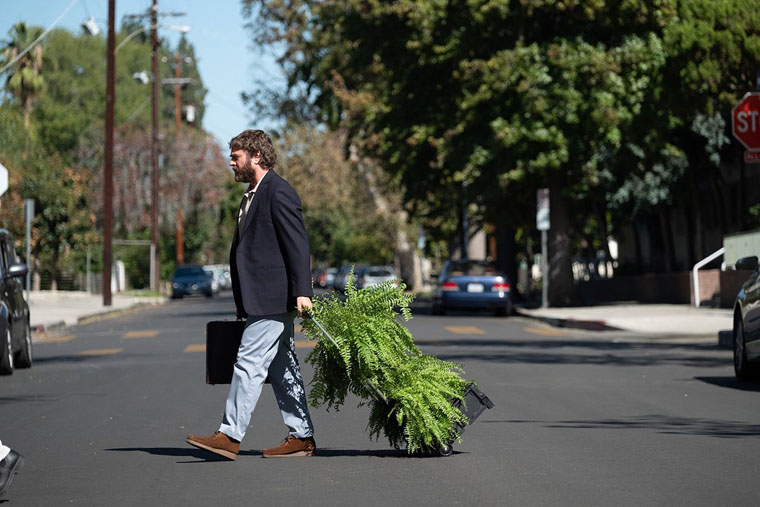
x,y
725,339
43,329
588,325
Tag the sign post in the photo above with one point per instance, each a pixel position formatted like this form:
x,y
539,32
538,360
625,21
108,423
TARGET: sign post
x,y
543,225
29,215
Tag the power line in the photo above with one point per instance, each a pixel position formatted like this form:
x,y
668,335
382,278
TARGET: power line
x,y
38,39
86,10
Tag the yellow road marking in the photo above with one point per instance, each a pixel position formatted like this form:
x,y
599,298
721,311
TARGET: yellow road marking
x,y
545,331
100,352
141,334
465,330
196,348
300,344
57,339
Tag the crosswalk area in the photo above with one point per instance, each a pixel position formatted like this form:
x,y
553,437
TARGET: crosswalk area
x,y
300,341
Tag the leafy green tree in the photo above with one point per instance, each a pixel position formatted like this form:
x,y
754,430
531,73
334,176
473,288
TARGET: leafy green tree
x,y
61,166
342,226
24,80
480,102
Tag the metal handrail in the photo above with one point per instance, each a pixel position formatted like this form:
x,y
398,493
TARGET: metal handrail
x,y
698,265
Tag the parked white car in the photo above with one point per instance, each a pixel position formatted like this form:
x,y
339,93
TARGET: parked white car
x,y
373,275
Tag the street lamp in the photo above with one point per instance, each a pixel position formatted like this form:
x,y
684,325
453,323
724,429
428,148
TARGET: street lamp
x,y
91,27
176,28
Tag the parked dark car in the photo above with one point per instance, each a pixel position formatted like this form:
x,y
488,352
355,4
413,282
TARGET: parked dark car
x,y
747,323
189,279
341,277
470,284
15,327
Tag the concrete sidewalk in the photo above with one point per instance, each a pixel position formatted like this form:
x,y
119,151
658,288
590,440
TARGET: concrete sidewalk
x,y
55,309
644,319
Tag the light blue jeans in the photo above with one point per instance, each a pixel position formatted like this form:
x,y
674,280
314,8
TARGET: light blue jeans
x,y
267,348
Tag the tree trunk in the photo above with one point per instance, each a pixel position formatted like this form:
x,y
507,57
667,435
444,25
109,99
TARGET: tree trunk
x,y
54,271
27,120
639,249
720,210
406,256
666,242
699,247
561,285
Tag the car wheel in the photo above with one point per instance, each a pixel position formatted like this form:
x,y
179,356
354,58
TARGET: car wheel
x,y
439,309
504,311
209,294
6,357
742,367
24,356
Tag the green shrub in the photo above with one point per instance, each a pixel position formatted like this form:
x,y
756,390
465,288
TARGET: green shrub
x,y
374,358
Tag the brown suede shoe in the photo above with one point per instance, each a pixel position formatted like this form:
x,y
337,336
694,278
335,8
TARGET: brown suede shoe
x,y
218,443
292,447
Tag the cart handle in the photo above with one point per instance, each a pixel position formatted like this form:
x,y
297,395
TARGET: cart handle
x,y
308,315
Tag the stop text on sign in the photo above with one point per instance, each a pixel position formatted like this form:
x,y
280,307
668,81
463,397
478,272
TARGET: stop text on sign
x,y
745,121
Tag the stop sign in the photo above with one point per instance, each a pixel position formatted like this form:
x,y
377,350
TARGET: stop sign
x,y
745,121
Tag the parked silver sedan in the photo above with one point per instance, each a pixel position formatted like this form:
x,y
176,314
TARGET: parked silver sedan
x,y
373,275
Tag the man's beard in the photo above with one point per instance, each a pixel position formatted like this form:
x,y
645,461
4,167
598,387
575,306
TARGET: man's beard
x,y
246,174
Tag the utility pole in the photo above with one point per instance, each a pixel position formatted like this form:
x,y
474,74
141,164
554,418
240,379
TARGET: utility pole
x,y
177,93
180,239
154,148
108,169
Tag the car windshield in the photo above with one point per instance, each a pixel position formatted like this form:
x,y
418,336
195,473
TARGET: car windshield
x,y
473,269
190,271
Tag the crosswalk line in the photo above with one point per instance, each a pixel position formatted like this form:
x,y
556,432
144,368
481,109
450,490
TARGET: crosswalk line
x,y
545,331
100,352
200,347
464,330
56,339
148,333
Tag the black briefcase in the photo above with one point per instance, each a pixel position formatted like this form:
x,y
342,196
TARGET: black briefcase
x,y
222,344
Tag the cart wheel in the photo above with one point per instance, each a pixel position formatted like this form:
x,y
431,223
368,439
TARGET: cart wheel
x,y
446,450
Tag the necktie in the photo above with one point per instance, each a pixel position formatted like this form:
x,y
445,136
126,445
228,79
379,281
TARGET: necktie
x,y
244,204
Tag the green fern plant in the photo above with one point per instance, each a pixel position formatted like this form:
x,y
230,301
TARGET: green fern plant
x,y
374,358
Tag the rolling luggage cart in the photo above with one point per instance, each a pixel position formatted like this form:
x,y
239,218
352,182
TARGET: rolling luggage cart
x,y
472,404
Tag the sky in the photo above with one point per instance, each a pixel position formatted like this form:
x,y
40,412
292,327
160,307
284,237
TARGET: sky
x,y
222,46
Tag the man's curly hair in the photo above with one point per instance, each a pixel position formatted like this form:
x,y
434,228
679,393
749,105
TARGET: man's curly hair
x,y
253,142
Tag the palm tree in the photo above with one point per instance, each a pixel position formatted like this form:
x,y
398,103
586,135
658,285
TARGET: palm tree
x,y
24,79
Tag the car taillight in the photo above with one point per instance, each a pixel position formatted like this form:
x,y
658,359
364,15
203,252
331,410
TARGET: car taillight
x,y
500,287
450,286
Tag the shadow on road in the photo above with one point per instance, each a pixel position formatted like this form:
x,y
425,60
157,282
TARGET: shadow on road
x,y
188,452
583,352
731,383
659,423
27,398
203,456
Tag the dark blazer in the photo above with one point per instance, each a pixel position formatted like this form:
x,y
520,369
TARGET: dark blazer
x,y
269,262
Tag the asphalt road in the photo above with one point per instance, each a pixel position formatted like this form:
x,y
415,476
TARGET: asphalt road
x,y
580,419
